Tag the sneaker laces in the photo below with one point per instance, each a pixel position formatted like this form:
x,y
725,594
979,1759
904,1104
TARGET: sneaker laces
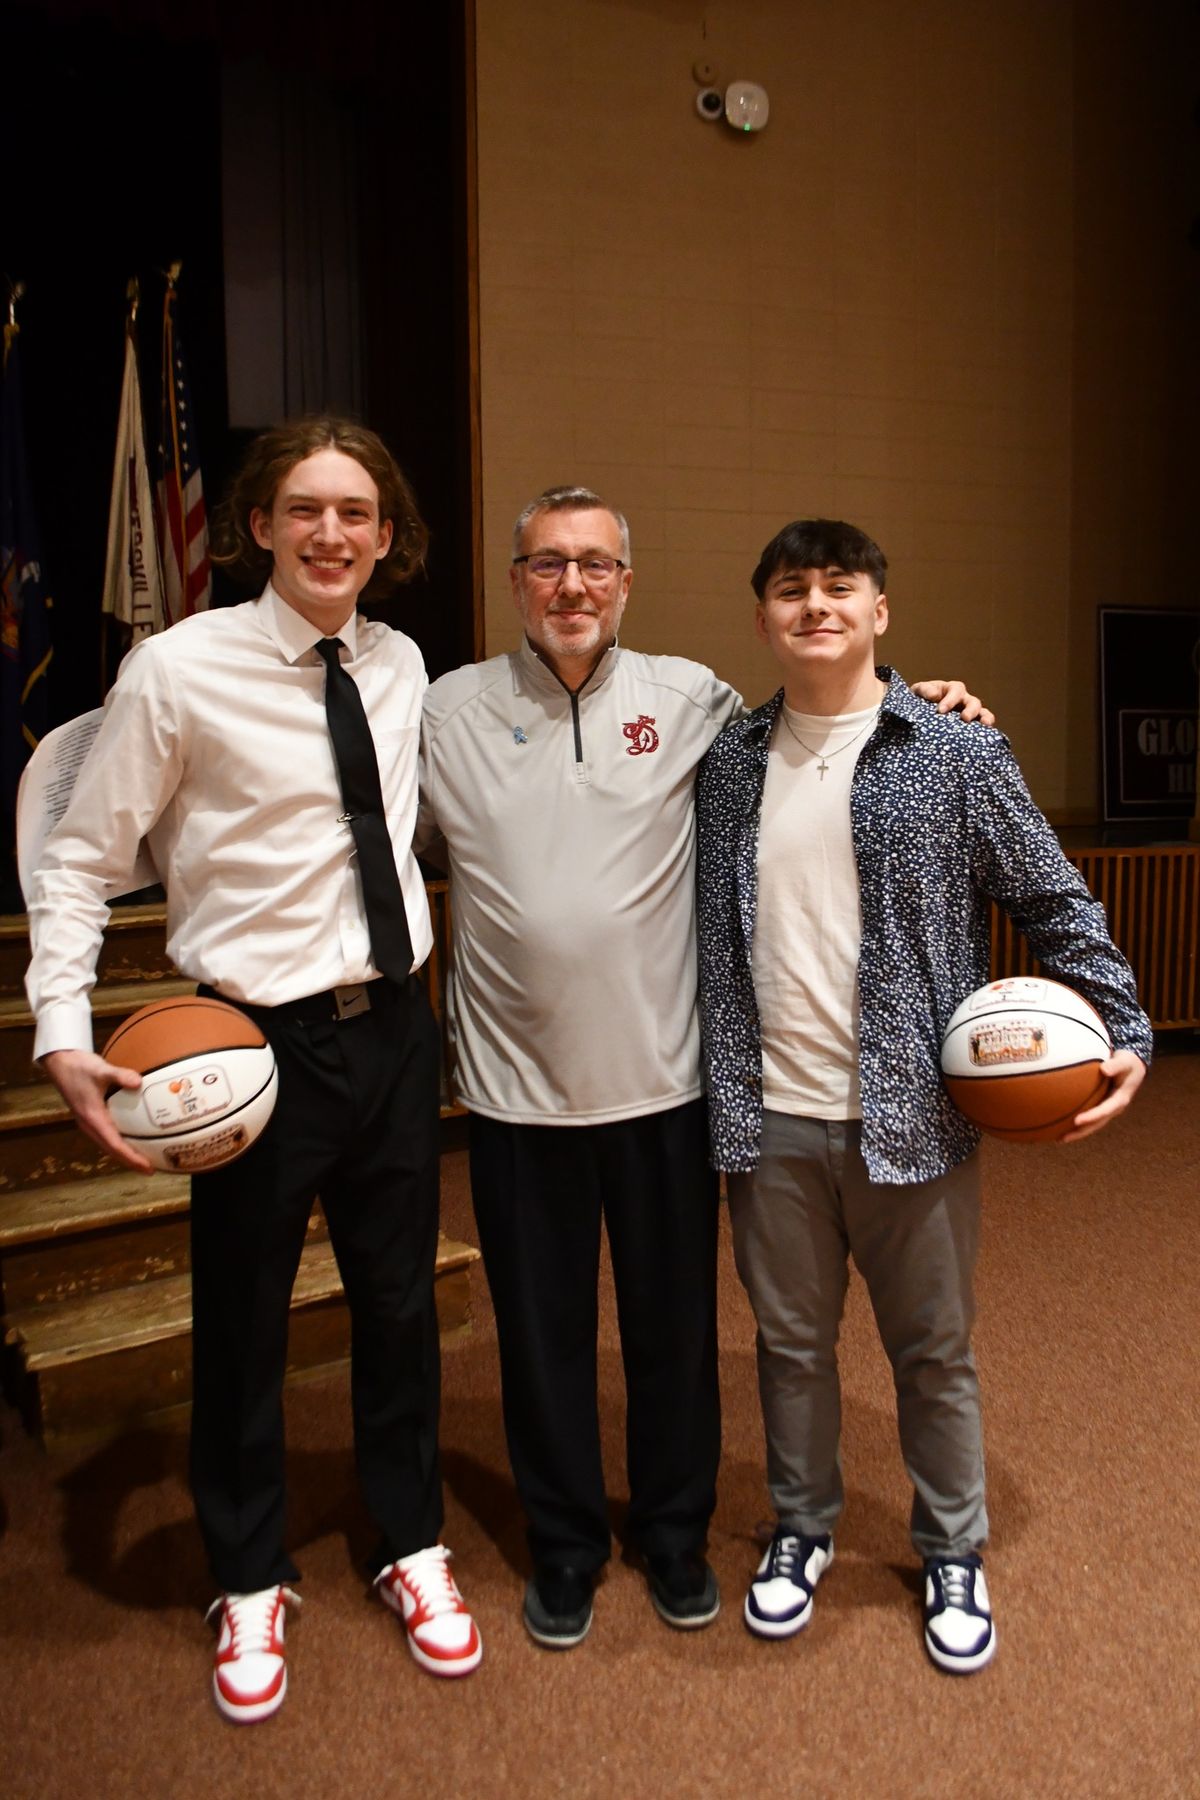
x,y
251,1618
955,1581
785,1554
428,1574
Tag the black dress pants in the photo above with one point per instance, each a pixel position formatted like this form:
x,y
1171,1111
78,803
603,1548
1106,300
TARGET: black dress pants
x,y
540,1193
357,1122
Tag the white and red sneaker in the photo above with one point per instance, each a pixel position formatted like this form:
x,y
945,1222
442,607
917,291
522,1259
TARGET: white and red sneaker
x,y
250,1667
442,1635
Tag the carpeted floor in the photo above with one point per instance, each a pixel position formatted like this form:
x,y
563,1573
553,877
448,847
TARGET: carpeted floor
x,y
1086,1346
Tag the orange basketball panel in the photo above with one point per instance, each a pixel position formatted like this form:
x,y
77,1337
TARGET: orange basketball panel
x,y
1036,1106
168,1030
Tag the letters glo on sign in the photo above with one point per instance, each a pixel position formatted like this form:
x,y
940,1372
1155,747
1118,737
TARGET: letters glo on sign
x,y
1149,699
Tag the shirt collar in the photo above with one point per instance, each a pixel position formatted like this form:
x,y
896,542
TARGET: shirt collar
x,y
292,634
900,705
533,663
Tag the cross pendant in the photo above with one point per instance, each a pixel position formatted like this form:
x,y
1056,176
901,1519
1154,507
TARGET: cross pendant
x,y
821,768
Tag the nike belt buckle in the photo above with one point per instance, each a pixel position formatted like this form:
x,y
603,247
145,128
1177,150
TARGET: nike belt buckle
x,y
350,1001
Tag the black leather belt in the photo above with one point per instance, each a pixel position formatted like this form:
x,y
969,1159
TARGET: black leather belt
x,y
331,1007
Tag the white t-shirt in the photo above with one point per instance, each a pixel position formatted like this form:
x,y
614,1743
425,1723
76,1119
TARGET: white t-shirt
x,y
808,926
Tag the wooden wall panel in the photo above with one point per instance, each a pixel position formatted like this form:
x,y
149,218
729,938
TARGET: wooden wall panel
x,y
1152,898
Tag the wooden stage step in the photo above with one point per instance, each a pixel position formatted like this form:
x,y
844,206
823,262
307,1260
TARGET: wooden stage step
x,y
40,1143
132,949
65,1208
98,1362
75,1238
95,1300
110,1007
120,1320
30,1107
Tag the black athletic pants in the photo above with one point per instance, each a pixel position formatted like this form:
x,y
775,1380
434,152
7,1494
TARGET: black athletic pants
x,y
357,1122
540,1192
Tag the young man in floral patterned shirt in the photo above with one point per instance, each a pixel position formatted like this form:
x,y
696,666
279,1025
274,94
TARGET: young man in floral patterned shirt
x,y
850,839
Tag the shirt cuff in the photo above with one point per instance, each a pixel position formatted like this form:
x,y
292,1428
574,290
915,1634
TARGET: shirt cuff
x,y
67,1026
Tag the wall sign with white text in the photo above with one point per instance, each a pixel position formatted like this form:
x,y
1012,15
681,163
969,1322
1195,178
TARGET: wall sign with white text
x,y
1149,701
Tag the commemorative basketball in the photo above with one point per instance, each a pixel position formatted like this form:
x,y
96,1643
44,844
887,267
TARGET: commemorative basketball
x,y
208,1083
1021,1057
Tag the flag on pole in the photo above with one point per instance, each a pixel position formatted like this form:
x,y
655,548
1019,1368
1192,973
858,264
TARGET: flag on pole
x,y
25,647
182,525
132,576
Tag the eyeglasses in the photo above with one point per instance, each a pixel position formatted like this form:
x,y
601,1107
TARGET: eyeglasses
x,y
594,571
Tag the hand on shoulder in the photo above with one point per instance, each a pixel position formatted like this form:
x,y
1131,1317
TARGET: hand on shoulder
x,y
952,696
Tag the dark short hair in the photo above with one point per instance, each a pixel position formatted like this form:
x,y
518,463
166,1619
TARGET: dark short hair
x,y
820,544
273,456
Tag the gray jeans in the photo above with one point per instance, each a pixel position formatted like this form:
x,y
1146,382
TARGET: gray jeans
x,y
804,1210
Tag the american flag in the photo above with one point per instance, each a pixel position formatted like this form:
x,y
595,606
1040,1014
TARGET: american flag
x,y
182,525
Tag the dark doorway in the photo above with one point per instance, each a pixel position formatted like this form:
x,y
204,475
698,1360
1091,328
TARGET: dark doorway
x,y
113,120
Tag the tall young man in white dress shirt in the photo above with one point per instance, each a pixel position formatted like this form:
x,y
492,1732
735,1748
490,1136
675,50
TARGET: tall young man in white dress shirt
x,y
561,776
216,748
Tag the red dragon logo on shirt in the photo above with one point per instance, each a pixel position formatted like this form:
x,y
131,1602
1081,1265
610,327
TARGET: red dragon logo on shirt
x,y
641,734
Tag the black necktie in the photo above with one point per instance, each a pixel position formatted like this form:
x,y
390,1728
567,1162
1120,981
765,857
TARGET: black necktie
x,y
362,797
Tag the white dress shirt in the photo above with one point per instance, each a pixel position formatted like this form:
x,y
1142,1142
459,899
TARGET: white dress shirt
x,y
215,748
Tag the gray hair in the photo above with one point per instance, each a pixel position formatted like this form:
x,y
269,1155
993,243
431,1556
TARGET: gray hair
x,y
570,499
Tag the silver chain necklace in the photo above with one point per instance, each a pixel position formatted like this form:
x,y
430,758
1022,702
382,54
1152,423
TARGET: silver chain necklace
x,y
823,764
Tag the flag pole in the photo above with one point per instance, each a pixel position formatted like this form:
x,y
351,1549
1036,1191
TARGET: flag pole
x,y
170,423
133,298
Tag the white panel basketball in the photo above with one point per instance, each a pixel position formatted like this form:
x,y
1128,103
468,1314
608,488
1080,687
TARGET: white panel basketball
x,y
201,1111
1021,1058
208,1082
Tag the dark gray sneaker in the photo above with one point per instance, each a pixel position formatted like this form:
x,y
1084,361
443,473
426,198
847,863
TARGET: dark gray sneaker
x,y
683,1589
558,1607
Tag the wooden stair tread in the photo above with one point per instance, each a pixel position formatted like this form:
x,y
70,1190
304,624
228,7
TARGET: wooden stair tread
x,y
107,1002
34,1215
120,918
39,1104
123,1318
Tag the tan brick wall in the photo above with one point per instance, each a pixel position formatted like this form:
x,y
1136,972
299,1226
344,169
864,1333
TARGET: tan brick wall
x,y
867,310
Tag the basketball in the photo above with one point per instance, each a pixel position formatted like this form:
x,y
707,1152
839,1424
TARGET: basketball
x,y
208,1083
1022,1057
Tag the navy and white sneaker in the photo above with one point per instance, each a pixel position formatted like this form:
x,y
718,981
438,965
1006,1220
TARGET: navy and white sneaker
x,y
959,1633
780,1600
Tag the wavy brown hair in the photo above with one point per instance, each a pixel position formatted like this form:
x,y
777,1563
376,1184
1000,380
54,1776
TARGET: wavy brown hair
x,y
271,457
